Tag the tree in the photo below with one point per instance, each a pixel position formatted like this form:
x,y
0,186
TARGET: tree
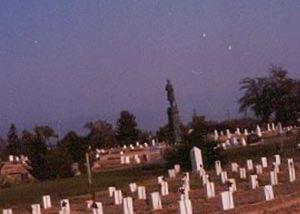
x,y
197,137
101,134
127,132
14,146
276,95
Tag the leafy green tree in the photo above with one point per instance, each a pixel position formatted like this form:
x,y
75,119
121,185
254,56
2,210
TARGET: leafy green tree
x,y
276,95
101,134
127,131
14,146
197,137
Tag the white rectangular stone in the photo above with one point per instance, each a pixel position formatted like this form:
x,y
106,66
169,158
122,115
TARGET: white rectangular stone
x,y
196,158
177,168
234,167
7,211
264,162
118,198
142,193
291,168
259,169
133,187
156,201
249,164
111,191
218,167
127,205
273,177
47,201
185,207
277,159
224,177
227,200
243,174
65,206
172,173
164,188
253,182
35,209
232,184
268,192
210,190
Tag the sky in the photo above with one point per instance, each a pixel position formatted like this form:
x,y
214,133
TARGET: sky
x,y
67,62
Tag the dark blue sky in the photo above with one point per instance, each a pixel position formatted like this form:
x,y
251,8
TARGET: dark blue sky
x,y
75,61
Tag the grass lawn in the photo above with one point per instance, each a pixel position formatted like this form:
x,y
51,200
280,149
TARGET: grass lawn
x,y
25,194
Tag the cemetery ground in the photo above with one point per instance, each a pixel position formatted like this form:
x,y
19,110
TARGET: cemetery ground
x,y
246,200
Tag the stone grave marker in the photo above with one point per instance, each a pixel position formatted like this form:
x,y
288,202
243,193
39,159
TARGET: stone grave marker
x,y
127,205
36,209
185,206
227,200
268,192
142,193
264,162
210,189
156,201
47,202
196,158
118,197
291,168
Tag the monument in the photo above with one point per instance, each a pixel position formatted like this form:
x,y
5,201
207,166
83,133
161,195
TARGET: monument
x,y
173,116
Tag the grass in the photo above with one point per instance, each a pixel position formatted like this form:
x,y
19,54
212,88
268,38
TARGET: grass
x,y
25,194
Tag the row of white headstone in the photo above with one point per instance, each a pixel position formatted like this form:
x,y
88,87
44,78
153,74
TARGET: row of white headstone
x,y
126,159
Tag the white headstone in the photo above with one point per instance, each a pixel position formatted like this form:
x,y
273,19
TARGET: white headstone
x,y
232,184
228,134
249,165
227,200
258,131
268,127
142,193
210,189
205,179
259,169
246,132
35,209
264,162
243,174
254,182
234,167
243,142
223,177
164,188
291,168
133,187
97,208
273,177
177,168
273,127
185,206
65,206
268,192
218,167
118,197
156,201
111,191
196,158
122,159
277,159
7,211
172,173
216,135
160,179
127,205
47,201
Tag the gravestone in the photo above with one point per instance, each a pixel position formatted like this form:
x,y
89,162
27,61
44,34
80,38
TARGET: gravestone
x,y
224,177
231,184
291,168
268,192
47,202
253,182
274,178
227,200
177,168
97,208
196,158
185,206
118,197
234,167
111,191
133,187
218,167
172,173
277,159
210,189
65,207
35,209
7,211
259,169
264,162
164,188
243,174
160,179
156,201
142,193
250,165
205,179
127,205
